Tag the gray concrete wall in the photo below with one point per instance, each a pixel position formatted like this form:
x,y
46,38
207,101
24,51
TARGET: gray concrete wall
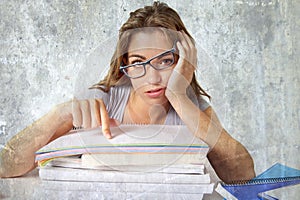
x,y
252,67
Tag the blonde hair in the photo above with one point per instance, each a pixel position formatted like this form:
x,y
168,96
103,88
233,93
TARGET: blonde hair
x,y
158,15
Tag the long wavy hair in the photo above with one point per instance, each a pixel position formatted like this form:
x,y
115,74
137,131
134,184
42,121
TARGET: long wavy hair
x,y
158,15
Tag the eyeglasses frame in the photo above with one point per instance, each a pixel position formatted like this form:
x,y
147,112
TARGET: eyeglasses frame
x,y
147,62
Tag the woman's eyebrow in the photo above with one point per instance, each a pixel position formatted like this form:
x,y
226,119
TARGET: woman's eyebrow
x,y
137,55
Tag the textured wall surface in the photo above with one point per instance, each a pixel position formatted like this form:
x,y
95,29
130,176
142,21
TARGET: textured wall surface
x,y
253,71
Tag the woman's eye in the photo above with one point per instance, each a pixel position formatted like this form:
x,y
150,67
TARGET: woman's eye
x,y
166,61
136,61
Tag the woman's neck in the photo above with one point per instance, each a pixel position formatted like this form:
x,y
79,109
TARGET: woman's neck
x,y
138,111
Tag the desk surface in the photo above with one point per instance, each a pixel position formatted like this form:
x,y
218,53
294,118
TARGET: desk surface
x,y
31,187
21,187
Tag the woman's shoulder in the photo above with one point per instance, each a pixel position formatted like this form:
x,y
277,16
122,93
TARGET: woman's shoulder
x,y
97,92
119,91
91,93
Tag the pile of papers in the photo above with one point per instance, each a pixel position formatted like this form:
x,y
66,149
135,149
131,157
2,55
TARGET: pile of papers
x,y
153,161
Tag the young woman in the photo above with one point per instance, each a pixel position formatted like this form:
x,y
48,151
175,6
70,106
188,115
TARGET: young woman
x,y
151,81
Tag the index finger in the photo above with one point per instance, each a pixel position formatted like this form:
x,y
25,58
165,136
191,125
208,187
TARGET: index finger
x,y
104,120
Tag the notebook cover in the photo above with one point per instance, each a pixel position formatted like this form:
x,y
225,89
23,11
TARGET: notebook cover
x,y
275,177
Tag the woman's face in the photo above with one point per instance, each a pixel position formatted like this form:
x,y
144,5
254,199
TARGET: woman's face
x,y
142,47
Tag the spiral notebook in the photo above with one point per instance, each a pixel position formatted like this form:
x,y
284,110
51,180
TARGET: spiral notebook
x,y
277,176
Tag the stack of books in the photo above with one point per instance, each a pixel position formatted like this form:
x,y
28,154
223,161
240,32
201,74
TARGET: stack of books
x,y
140,161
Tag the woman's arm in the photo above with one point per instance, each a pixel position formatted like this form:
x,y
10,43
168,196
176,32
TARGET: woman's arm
x,y
230,153
228,157
18,156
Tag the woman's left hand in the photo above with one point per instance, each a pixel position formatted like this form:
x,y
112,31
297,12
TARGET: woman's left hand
x,y
182,74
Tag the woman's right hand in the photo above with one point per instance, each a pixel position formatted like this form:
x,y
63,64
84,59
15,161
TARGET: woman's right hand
x,y
89,113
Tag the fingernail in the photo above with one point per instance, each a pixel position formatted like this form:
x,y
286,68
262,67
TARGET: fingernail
x,y
107,134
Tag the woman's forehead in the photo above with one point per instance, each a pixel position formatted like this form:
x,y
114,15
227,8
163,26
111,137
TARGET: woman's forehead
x,y
149,40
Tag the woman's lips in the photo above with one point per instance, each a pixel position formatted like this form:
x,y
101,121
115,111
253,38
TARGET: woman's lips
x,y
155,92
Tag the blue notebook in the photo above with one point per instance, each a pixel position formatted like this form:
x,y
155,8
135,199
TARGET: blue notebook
x,y
275,177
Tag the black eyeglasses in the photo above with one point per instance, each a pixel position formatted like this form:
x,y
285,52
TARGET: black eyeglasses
x,y
159,62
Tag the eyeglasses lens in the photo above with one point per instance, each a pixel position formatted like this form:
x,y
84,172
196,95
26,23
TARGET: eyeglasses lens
x,y
162,62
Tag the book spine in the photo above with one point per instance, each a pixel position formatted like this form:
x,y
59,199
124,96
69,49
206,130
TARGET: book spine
x,y
130,187
57,173
58,194
177,168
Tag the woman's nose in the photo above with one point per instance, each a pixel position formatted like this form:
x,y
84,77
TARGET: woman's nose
x,y
153,76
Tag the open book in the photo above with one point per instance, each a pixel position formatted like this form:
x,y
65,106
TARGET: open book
x,y
131,145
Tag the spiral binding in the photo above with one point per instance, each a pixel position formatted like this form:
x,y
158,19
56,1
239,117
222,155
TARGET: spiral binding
x,y
261,181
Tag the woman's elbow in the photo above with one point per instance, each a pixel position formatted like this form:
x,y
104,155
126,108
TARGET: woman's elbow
x,y
11,166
